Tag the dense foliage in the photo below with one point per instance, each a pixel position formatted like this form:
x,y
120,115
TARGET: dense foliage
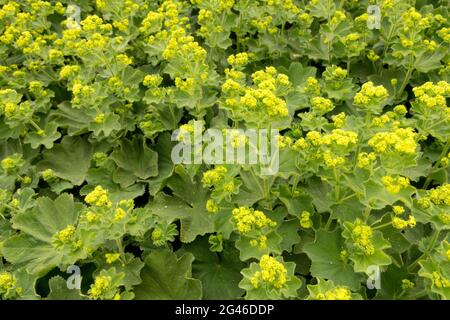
x,y
88,106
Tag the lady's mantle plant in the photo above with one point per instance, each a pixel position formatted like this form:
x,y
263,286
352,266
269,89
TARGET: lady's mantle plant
x,y
91,92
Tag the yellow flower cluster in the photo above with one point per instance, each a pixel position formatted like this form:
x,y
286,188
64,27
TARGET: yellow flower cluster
x,y
68,71
305,220
211,206
65,236
312,86
79,91
248,219
119,214
185,85
372,56
365,159
152,80
400,110
440,281
444,217
412,19
444,33
433,95
112,257
395,184
100,118
381,120
9,164
400,140
399,223
332,161
236,137
339,120
398,210
101,286
284,141
314,137
370,95
322,105
124,59
98,197
121,25
338,293
261,242
263,24
185,131
407,284
335,73
441,195
234,74
431,45
268,82
339,137
180,45
7,281
362,234
238,60
438,196
287,5
272,272
338,17
214,176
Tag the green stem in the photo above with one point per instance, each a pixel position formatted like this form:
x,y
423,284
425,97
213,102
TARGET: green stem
x,y
367,213
294,186
337,185
328,224
419,294
407,78
35,125
121,250
386,45
257,180
436,165
430,248
11,208
382,225
347,197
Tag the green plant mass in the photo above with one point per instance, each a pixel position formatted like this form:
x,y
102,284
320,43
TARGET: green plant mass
x,y
224,149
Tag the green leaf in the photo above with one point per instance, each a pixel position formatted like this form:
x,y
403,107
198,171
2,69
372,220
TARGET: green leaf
x,y
104,129
60,291
266,291
135,157
69,160
247,251
298,74
425,62
320,290
51,134
219,272
33,247
167,277
165,164
48,217
195,219
131,269
325,254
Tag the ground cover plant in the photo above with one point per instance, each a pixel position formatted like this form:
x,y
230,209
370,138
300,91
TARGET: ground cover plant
x,y
92,205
